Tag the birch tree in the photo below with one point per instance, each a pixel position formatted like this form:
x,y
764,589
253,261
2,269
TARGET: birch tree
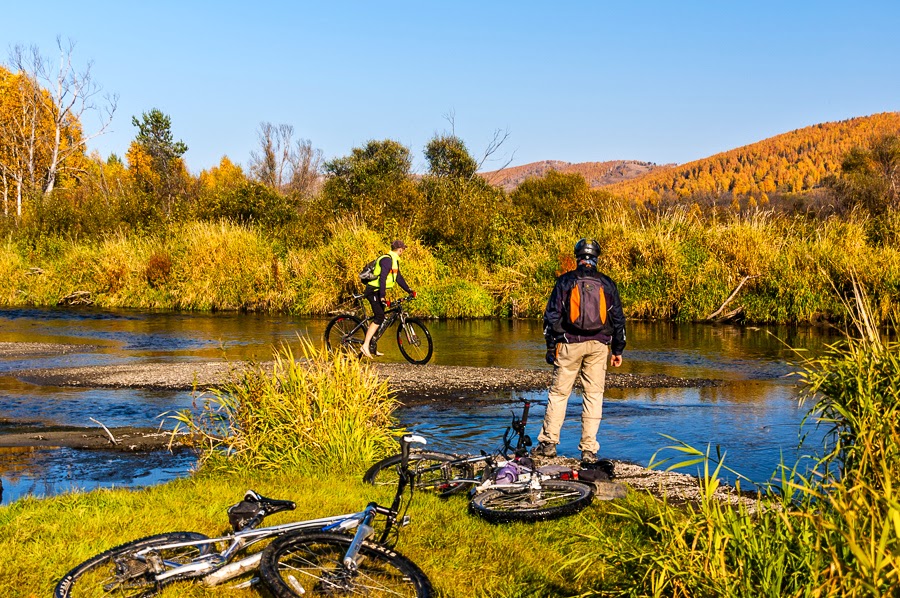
x,y
65,95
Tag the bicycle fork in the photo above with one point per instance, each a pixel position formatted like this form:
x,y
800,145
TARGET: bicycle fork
x,y
411,336
363,532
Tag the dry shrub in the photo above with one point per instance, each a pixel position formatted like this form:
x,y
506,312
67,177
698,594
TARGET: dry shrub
x,y
158,269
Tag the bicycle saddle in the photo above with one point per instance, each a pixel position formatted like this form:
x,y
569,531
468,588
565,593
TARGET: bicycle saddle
x,y
256,506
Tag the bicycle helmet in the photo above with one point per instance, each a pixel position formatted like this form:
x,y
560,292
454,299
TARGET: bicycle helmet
x,y
587,248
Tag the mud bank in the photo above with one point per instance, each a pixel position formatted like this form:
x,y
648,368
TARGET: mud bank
x,y
129,439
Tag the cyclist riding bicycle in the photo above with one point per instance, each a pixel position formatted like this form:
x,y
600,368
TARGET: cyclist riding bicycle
x,y
387,274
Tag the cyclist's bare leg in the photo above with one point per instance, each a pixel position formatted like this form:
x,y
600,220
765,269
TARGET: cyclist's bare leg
x,y
370,333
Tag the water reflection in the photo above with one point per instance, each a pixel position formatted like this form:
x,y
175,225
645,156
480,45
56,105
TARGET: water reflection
x,y
754,415
754,434
50,471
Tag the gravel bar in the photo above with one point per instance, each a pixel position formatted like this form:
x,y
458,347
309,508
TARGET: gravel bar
x,y
409,382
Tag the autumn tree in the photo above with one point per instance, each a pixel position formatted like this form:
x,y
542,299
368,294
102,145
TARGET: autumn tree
x,y
870,176
373,182
448,157
226,193
459,209
42,106
154,160
284,164
552,199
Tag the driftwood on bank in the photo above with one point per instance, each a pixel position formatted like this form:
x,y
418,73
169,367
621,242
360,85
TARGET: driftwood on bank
x,y
76,298
735,314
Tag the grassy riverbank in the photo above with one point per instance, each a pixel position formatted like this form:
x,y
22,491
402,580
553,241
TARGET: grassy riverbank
x,y
829,528
673,266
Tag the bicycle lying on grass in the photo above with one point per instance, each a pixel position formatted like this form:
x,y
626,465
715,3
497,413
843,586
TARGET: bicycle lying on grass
x,y
507,486
318,557
348,331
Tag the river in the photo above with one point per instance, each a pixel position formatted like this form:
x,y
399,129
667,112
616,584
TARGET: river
x,y
753,414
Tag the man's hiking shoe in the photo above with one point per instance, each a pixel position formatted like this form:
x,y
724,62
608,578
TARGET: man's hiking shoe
x,y
588,457
544,449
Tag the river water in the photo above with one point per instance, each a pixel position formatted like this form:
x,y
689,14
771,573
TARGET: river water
x,y
753,414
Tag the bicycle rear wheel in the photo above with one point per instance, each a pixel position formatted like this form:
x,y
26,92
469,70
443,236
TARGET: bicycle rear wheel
x,y
432,472
415,341
555,499
344,332
311,565
119,572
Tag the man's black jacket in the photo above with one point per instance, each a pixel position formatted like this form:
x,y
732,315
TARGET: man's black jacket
x,y
558,330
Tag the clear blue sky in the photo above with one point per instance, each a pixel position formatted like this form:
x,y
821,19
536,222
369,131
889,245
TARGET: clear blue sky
x,y
573,81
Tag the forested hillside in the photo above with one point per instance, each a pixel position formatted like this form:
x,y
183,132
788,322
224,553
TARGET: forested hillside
x,y
793,162
597,174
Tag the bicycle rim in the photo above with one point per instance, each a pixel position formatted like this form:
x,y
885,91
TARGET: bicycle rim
x,y
118,572
344,333
310,565
556,498
415,341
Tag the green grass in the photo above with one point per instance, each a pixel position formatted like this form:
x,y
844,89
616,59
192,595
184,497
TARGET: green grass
x,y
462,555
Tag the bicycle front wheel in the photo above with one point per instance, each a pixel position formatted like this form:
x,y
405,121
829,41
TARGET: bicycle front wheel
x,y
433,472
344,332
311,565
555,499
415,341
121,572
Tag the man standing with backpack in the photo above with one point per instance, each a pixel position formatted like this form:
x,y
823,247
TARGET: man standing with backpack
x,y
583,325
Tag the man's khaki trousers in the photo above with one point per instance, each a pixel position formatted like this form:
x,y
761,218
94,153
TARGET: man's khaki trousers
x,y
589,359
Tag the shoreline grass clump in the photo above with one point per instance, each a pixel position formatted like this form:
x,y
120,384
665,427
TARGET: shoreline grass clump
x,y
322,412
828,526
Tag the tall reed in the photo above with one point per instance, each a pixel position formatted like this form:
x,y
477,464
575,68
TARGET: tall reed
x,y
320,412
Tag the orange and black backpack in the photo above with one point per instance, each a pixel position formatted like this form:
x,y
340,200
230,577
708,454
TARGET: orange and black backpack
x,y
586,306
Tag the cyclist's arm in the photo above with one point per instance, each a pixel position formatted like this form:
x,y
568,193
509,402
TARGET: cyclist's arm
x,y
617,317
402,282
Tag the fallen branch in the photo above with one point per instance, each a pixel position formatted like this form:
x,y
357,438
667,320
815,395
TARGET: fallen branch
x,y
111,437
730,297
76,298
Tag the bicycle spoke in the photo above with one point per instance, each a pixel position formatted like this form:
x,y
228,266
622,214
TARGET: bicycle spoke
x,y
517,501
317,570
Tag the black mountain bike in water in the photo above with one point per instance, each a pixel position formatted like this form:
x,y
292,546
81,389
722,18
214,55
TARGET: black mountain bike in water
x,y
348,331
504,485
340,555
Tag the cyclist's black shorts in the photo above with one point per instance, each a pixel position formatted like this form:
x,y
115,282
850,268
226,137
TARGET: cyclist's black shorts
x,y
377,306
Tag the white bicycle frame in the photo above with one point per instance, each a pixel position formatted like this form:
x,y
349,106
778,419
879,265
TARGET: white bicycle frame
x,y
211,564
214,572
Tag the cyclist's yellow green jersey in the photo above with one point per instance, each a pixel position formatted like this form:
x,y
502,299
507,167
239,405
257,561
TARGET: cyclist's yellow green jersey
x,y
391,279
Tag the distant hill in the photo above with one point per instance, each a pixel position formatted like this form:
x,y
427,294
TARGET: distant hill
x,y
597,174
794,162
